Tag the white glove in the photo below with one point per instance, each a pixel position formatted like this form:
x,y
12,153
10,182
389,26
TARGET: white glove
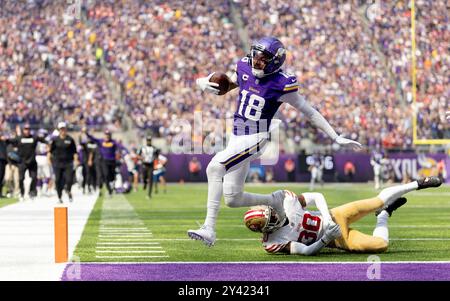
x,y
448,115
333,231
344,141
206,85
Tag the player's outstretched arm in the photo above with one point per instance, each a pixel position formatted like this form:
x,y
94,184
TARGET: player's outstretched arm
x,y
211,87
207,86
317,199
299,102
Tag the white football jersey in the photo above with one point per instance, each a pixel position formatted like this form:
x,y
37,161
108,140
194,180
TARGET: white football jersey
x,y
41,149
304,226
147,153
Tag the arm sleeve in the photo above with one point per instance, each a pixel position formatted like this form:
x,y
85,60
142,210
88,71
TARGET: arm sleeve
x,y
96,140
299,102
52,147
121,147
74,148
12,141
297,248
319,201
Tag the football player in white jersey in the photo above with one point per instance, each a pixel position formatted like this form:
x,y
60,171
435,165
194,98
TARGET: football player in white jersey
x,y
263,88
290,228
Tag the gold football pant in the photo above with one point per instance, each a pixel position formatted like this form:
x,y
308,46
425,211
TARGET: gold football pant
x,y
351,239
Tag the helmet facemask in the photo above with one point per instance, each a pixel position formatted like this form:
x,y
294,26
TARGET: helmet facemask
x,y
263,219
263,62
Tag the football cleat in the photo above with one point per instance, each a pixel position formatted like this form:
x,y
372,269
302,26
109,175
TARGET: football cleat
x,y
205,234
392,206
428,182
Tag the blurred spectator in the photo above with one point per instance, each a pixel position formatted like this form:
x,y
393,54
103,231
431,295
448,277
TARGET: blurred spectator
x,y
289,167
194,169
349,171
268,177
3,162
441,170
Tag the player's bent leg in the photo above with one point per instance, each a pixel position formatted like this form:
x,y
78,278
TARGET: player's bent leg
x,y
239,151
207,234
360,242
233,185
352,212
390,194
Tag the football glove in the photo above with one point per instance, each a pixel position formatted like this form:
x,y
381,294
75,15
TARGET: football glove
x,y
448,115
333,231
344,141
206,85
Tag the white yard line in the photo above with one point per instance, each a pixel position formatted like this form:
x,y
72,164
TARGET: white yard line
x,y
27,236
129,247
121,251
121,229
267,262
126,243
259,239
131,256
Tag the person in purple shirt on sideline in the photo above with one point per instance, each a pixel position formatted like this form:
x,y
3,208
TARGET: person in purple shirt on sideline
x,y
108,148
263,87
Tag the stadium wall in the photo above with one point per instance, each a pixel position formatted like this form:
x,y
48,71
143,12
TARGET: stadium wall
x,y
401,165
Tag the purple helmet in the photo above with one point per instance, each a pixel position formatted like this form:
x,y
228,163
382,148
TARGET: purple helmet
x,y
273,52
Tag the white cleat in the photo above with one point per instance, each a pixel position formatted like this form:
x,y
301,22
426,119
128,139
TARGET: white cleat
x,y
205,234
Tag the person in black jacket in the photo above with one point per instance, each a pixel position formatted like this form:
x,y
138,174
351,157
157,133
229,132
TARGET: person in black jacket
x,y
26,144
63,153
3,157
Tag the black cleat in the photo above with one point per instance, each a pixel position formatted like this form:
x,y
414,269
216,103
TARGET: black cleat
x,y
428,182
392,207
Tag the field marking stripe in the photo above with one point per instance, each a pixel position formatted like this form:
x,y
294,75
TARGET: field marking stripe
x,y
132,247
258,239
137,256
131,239
124,236
121,251
273,262
127,243
356,226
124,233
123,228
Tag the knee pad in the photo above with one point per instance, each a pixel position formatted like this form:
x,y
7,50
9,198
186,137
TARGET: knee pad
x,y
215,170
233,199
233,195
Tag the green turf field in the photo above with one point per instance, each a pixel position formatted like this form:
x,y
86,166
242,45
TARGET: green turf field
x,y
7,201
419,231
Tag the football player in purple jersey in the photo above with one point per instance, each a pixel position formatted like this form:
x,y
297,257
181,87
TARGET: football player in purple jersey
x,y
263,87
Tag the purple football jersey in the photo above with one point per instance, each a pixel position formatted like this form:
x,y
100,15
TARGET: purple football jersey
x,y
258,99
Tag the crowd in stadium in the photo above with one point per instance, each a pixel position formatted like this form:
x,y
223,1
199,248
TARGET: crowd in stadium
x,y
133,58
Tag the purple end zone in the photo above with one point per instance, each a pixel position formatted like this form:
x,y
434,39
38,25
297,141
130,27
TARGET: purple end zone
x,y
258,272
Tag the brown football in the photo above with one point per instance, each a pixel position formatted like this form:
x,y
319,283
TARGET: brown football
x,y
223,81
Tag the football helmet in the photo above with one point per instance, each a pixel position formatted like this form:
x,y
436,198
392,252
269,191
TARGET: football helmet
x,y
263,219
267,53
